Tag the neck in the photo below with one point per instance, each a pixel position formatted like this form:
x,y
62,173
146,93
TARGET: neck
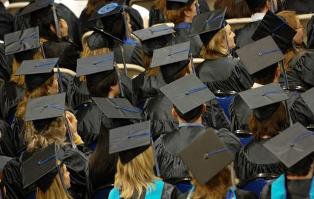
x,y
111,95
197,121
308,176
188,19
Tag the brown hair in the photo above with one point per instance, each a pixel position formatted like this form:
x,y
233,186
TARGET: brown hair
x,y
234,10
292,20
135,176
216,47
92,5
216,188
277,122
177,16
160,5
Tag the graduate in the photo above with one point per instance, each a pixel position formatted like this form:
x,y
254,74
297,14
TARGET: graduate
x,y
287,32
207,159
235,9
264,69
105,109
294,148
220,72
181,13
174,63
47,122
189,95
268,119
135,177
301,7
258,10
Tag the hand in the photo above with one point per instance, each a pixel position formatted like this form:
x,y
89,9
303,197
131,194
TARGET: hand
x,y
72,121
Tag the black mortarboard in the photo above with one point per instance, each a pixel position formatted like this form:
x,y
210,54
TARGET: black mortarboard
x,y
106,10
260,55
264,100
45,107
118,108
208,24
292,145
255,3
37,72
177,4
98,40
39,165
22,40
36,5
187,93
206,156
3,162
95,64
308,97
275,26
154,37
129,141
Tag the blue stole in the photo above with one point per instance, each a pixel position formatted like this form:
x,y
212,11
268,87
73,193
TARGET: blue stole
x,y
183,25
278,188
231,194
151,193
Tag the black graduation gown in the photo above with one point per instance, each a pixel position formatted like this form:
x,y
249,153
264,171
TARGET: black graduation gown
x,y
300,6
6,21
73,159
10,96
145,86
299,112
5,64
5,146
301,72
244,34
296,189
182,35
225,74
253,159
77,93
310,33
132,54
168,147
240,194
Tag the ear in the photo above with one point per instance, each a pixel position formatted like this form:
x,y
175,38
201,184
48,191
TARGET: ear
x,y
187,12
277,73
52,28
174,114
204,108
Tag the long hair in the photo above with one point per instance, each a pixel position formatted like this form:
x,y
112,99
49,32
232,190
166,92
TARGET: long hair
x,y
216,47
177,16
216,188
234,9
135,176
160,5
92,5
55,133
55,190
271,126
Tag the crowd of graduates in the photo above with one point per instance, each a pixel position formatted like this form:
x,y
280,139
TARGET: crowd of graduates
x,y
75,124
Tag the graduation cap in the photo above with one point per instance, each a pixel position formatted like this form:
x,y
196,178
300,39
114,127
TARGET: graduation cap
x,y
260,55
98,40
155,37
22,40
255,3
206,156
117,108
187,93
264,100
275,26
177,4
106,10
308,99
37,72
45,107
95,64
41,165
292,145
35,6
129,141
208,24
3,162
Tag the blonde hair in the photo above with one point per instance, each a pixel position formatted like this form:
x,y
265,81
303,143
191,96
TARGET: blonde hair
x,y
178,16
216,47
135,176
54,134
56,190
216,188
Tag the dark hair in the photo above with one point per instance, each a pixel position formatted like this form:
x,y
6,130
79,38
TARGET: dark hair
x,y
192,115
43,18
276,122
303,167
258,8
115,25
266,76
99,84
234,10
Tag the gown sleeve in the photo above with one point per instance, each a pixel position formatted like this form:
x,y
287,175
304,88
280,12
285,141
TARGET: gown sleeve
x,y
214,116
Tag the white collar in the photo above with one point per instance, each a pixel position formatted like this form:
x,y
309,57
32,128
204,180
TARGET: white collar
x,y
257,16
256,85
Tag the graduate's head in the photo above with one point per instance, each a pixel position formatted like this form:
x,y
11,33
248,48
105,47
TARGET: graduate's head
x,y
181,12
268,121
103,84
235,9
95,44
189,117
258,5
172,72
293,21
267,75
303,167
